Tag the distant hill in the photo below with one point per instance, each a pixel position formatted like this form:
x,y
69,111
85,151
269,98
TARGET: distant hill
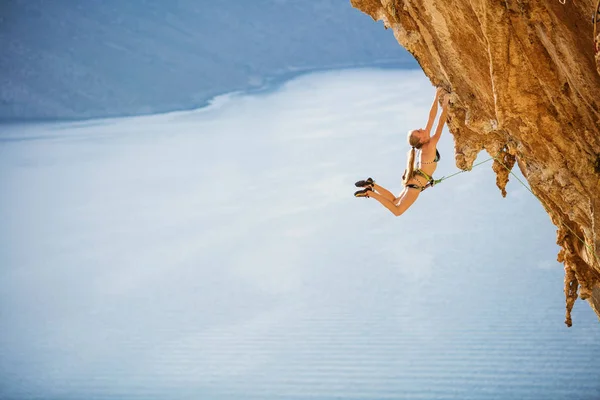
x,y
64,59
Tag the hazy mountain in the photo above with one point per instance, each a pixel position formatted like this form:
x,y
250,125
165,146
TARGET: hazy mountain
x,y
73,59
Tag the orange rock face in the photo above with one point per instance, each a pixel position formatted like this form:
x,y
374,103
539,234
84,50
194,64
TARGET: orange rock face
x,y
524,78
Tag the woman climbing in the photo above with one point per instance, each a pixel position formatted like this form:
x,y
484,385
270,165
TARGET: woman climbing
x,y
414,180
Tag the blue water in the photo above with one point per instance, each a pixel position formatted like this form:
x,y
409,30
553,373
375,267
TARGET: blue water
x,y
220,254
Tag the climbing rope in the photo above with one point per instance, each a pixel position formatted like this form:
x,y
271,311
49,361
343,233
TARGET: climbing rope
x,y
571,282
436,181
590,248
443,178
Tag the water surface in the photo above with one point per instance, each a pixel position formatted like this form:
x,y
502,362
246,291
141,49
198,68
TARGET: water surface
x,y
220,254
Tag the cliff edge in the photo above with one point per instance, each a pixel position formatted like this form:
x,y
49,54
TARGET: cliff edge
x,y
524,78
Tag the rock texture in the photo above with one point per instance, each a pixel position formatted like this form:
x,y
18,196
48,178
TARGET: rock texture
x,y
525,86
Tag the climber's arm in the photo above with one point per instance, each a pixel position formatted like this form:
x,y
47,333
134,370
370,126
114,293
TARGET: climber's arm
x,y
438,131
434,110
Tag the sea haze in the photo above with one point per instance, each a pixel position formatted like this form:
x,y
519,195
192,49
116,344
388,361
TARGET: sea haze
x,y
220,254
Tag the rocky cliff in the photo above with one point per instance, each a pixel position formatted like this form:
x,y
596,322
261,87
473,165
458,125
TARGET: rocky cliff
x,y
524,78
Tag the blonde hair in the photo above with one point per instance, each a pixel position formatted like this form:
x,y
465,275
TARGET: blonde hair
x,y
410,164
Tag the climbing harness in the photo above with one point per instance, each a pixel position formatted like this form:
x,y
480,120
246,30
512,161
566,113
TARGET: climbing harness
x,y
429,179
421,187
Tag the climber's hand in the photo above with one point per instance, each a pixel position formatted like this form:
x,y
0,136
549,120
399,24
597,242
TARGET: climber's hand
x,y
439,92
445,100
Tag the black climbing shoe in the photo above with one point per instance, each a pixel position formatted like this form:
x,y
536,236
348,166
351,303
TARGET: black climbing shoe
x,y
366,183
363,193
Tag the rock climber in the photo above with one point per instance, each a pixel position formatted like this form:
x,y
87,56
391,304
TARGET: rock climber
x,y
415,180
